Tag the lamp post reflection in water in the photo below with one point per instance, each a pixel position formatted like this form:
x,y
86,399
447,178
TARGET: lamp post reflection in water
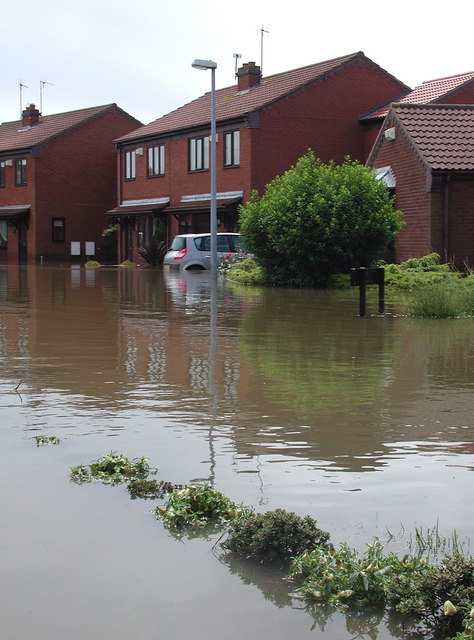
x,y
213,396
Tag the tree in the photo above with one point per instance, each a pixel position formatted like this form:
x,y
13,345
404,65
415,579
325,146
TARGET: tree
x,y
319,219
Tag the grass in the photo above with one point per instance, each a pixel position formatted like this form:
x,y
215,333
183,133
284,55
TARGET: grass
x,y
443,300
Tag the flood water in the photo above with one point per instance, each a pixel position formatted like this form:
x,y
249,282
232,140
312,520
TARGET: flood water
x,y
280,398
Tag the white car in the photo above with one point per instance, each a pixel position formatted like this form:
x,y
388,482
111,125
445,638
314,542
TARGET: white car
x,y
193,250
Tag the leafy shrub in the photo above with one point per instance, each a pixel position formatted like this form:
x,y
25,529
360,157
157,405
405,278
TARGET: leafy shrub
x,y
154,251
196,506
420,272
112,468
127,264
274,536
92,264
318,219
246,272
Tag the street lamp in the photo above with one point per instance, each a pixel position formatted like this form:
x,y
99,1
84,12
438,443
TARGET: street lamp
x,y
204,65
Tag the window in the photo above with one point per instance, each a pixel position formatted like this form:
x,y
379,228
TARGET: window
x,y
232,149
20,172
58,230
156,160
3,234
199,154
2,173
130,165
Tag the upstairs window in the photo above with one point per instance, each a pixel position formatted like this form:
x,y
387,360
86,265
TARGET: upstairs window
x,y
58,230
20,172
199,154
156,160
130,165
232,149
2,173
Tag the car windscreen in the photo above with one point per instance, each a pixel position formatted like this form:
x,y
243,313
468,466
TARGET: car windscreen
x,y
178,243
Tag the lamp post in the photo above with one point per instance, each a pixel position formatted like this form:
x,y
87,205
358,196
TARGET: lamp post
x,y
204,65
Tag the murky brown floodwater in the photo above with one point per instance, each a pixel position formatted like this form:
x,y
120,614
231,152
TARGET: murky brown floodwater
x,y
281,398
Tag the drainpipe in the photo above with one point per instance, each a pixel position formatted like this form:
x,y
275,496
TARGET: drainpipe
x,y
446,218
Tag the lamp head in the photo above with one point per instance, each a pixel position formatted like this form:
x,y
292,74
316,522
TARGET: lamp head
x,y
204,64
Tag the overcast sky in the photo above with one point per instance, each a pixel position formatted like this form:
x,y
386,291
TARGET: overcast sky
x,y
139,54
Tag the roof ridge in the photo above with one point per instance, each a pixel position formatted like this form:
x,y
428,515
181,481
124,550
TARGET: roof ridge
x,y
456,75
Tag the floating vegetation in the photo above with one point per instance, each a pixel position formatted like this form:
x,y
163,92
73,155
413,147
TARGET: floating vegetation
x,y
44,440
112,468
440,597
196,506
274,536
151,489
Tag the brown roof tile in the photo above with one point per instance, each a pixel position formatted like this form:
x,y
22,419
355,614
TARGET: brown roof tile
x,y
443,134
429,92
233,104
14,137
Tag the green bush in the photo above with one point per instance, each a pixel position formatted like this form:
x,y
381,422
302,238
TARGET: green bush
x,y
443,300
246,272
196,506
274,536
319,219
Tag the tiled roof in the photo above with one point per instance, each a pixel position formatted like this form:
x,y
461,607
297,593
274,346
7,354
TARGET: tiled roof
x,y
13,137
443,134
231,103
427,93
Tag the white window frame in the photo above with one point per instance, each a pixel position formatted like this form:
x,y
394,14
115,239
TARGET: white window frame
x,y
156,160
130,165
199,153
232,149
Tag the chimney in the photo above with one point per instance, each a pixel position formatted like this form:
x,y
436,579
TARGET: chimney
x,y
248,76
30,116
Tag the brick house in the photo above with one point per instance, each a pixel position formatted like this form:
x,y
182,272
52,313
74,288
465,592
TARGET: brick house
x,y
263,126
57,177
426,152
458,89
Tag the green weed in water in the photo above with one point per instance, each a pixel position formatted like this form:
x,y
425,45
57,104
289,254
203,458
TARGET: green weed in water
x,y
273,536
151,489
112,468
196,506
45,440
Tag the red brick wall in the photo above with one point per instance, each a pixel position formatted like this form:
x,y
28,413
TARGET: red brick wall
x,y
415,239
10,195
461,222
323,118
178,181
76,180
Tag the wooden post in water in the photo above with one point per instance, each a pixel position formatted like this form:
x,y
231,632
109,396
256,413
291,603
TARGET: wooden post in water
x,y
361,277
